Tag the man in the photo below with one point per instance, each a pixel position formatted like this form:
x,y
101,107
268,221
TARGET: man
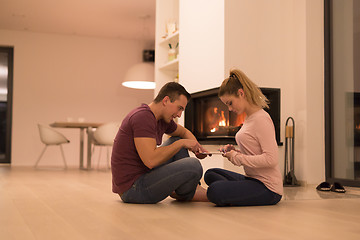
x,y
143,171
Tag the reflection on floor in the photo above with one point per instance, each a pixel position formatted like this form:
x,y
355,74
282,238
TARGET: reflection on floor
x,y
310,193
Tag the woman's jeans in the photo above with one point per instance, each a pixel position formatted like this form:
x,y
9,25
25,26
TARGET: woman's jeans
x,y
181,174
228,188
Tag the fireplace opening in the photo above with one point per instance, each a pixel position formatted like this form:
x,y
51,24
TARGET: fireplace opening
x,y
212,123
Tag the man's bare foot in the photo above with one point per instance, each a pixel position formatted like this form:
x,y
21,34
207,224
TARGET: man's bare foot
x,y
200,195
175,196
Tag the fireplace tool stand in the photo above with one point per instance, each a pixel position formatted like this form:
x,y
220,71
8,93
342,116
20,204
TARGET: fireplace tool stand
x,y
289,169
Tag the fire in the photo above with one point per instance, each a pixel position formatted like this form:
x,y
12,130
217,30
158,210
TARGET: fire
x,y
357,126
217,120
240,119
222,121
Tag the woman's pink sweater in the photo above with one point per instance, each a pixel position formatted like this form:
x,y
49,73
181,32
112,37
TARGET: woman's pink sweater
x,y
258,151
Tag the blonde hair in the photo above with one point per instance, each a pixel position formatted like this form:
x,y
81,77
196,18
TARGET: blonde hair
x,y
238,80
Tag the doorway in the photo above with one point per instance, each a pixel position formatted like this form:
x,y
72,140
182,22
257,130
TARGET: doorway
x,y
342,91
6,89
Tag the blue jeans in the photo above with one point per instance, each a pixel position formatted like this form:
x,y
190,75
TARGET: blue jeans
x,y
181,174
228,188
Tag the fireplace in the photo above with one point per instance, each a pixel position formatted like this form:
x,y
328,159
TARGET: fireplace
x,y
212,123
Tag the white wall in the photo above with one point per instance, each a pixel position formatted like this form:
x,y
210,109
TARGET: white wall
x,y
201,44
278,44
58,76
313,169
201,64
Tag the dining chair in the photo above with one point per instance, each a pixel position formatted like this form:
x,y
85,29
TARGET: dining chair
x,y
51,137
103,136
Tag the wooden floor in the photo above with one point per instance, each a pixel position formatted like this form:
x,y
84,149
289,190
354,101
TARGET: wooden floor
x,y
77,204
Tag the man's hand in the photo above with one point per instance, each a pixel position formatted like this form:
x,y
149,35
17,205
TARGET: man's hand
x,y
195,147
201,155
191,144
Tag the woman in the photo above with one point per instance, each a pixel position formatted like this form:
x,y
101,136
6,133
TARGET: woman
x,y
257,152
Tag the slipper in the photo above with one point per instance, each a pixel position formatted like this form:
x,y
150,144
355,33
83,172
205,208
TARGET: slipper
x,y
324,186
337,187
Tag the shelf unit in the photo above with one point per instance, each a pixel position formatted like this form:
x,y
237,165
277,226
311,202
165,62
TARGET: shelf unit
x,y
165,70
173,40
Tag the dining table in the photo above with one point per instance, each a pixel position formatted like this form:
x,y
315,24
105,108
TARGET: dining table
x,y
88,126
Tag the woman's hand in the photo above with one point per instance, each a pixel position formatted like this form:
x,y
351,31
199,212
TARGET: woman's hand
x,y
231,156
227,148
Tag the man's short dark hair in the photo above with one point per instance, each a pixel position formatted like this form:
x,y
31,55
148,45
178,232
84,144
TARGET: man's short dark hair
x,y
173,90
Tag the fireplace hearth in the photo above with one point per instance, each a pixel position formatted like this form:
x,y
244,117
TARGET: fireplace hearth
x,y
212,123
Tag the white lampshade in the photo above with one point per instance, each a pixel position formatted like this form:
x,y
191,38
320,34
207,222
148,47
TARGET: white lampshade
x,y
140,76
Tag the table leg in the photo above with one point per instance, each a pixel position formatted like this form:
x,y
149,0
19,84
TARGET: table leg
x,y
89,144
81,148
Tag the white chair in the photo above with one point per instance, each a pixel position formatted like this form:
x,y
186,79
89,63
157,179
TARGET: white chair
x,y
50,137
103,136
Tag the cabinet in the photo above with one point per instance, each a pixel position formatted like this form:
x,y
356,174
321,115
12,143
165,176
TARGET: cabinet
x,y
166,67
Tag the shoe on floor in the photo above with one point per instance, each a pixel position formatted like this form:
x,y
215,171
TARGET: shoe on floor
x,y
337,187
324,186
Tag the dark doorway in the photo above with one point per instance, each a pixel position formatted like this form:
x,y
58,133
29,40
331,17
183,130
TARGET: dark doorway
x,y
342,91
6,89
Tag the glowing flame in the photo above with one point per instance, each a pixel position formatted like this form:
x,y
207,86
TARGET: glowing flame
x,y
357,127
216,120
222,121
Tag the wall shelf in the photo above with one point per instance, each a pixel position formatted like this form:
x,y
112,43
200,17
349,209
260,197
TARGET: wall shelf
x,y
170,38
171,66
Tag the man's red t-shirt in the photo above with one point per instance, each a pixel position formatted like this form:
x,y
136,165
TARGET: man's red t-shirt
x,y
126,165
